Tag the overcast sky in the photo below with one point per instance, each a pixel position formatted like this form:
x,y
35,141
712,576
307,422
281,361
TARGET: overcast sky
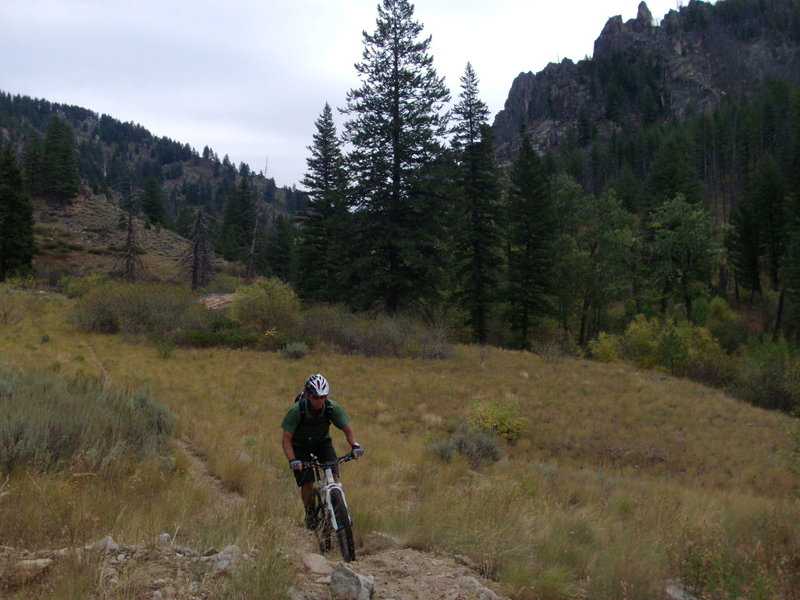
x,y
248,78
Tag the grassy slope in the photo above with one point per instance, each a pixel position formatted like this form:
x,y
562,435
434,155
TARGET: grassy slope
x,y
622,480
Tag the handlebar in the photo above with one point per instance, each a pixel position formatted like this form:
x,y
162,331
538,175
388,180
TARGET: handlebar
x,y
314,464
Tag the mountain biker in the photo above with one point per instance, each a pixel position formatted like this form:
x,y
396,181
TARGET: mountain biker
x,y
306,428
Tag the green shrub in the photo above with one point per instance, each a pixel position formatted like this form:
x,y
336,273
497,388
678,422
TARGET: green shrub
x,y
48,421
641,342
334,325
152,309
223,284
266,304
294,350
11,306
724,324
606,347
477,446
679,348
165,347
383,335
78,287
226,338
770,376
675,347
500,417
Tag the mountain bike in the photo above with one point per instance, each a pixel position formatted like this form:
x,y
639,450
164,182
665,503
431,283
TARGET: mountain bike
x,y
329,508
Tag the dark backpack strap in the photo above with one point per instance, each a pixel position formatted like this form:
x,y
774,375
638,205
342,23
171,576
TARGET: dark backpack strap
x,y
302,406
327,409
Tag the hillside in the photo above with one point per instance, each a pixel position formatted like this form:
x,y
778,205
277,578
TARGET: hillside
x,y
116,157
88,235
623,483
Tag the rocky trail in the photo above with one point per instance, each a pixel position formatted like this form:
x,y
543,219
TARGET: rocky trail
x,y
383,570
165,570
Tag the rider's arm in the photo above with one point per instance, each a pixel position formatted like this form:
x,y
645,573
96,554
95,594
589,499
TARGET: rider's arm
x,y
287,445
350,435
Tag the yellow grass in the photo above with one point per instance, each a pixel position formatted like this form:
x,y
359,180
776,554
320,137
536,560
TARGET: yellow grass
x,y
622,480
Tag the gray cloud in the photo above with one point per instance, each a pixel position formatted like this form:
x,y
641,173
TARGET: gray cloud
x,y
249,77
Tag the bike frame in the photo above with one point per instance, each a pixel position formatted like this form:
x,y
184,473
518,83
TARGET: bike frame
x,y
323,475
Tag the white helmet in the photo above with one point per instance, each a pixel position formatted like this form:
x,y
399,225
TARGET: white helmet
x,y
316,385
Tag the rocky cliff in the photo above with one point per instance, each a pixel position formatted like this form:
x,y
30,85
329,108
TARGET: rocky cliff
x,y
643,72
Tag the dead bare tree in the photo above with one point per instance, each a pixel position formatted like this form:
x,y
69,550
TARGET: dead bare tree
x,y
129,264
197,260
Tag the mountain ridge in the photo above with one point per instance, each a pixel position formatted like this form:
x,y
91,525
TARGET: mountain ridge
x,y
643,72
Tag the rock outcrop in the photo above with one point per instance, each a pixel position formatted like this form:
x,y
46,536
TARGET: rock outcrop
x,y
643,71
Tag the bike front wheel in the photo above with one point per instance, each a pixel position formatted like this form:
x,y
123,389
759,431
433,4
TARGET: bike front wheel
x,y
344,533
323,528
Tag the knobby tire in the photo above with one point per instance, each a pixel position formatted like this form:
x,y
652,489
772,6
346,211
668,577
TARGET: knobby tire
x,y
345,531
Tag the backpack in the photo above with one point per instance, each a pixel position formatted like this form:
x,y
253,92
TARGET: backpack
x,y
327,409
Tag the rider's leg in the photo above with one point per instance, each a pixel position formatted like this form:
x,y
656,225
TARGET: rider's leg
x,y
307,493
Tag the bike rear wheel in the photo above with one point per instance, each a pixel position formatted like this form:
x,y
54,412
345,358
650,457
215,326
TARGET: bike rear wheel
x,y
345,531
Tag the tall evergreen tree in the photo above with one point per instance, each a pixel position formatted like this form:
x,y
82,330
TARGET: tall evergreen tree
x,y
17,246
760,229
33,164
153,202
531,234
769,196
60,162
791,266
236,234
476,230
396,122
671,175
745,246
325,236
279,249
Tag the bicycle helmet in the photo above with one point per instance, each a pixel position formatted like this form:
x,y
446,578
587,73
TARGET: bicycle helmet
x,y
316,385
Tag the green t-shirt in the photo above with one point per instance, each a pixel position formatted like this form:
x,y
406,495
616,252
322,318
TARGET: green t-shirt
x,y
313,430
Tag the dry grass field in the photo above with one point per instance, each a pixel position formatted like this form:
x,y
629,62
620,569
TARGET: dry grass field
x,y
620,482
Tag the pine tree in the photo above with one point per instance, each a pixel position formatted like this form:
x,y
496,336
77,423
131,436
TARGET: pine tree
x,y
759,228
324,238
60,162
279,249
33,164
17,246
238,221
791,265
745,246
769,196
531,233
396,123
476,230
153,202
671,175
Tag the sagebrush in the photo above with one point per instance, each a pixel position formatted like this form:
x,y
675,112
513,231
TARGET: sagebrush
x,y
48,420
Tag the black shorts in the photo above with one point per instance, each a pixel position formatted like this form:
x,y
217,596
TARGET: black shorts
x,y
324,453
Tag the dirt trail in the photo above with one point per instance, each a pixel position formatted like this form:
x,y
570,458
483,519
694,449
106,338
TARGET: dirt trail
x,y
227,499
399,573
